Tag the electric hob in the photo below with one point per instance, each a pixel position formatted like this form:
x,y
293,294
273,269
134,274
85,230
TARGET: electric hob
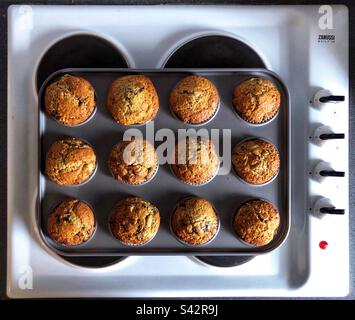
x,y
307,46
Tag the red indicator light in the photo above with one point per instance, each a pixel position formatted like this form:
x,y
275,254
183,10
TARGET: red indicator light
x,y
323,245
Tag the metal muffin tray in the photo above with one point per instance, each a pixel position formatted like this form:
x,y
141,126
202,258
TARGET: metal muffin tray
x,y
225,192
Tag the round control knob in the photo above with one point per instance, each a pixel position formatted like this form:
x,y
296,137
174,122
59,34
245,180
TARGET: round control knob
x,y
323,170
323,97
324,206
324,133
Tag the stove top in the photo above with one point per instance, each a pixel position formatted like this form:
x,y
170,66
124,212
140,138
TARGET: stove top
x,y
297,42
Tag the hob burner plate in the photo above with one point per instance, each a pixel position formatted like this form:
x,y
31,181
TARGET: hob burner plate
x,y
79,51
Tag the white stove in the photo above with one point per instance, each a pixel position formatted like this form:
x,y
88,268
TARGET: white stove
x,y
307,46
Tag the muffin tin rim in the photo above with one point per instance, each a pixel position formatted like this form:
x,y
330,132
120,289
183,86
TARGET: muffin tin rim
x,y
220,251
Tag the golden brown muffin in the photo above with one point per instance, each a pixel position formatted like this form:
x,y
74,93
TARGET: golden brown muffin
x,y
195,160
133,161
194,221
134,221
194,100
256,222
256,161
72,222
256,100
70,161
70,100
132,100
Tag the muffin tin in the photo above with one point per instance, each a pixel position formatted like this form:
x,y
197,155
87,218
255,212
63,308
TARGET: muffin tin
x,y
225,192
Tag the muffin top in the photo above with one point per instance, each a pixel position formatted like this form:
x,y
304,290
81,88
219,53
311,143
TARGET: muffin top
x,y
132,100
194,99
133,161
194,221
70,161
72,222
195,160
256,100
256,161
70,100
256,222
134,221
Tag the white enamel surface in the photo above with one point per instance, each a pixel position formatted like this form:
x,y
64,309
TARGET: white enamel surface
x,y
286,39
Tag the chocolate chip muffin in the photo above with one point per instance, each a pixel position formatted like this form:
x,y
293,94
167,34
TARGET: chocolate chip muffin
x,y
72,222
132,100
133,162
256,161
256,222
195,161
194,221
194,100
70,161
134,221
256,100
70,100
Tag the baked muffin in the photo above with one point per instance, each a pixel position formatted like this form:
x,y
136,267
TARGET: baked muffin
x,y
256,161
134,221
72,222
194,100
256,222
194,221
70,100
195,161
132,100
133,162
70,161
256,100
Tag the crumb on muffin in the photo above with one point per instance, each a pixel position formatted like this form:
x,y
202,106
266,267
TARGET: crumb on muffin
x,y
72,222
256,222
132,100
70,161
195,160
194,221
194,99
256,100
70,100
134,221
133,161
256,161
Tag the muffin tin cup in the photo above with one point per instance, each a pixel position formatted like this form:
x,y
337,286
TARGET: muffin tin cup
x,y
253,124
129,244
137,125
88,178
79,245
197,124
194,184
235,213
137,184
45,85
190,244
246,182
